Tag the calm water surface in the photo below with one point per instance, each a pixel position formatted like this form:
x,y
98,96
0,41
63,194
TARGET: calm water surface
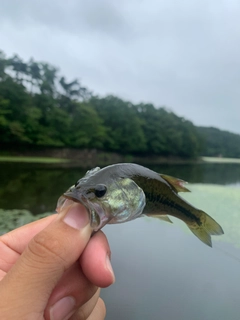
x,y
162,270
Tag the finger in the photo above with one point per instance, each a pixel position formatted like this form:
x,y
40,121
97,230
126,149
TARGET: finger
x,y
72,284
2,274
87,309
99,312
94,267
13,243
19,238
44,261
95,261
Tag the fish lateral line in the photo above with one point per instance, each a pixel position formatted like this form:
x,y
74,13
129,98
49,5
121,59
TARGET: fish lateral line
x,y
172,205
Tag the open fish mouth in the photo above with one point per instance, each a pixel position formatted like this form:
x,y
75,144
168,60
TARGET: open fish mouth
x,y
67,198
72,195
97,215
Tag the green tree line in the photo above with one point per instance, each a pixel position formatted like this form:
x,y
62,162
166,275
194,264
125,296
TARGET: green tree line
x,y
40,108
219,143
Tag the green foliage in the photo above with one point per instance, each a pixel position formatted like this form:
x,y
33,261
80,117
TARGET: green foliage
x,y
168,134
11,219
123,125
219,143
87,130
40,108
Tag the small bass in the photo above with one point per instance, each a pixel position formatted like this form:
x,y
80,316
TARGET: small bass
x,y
125,191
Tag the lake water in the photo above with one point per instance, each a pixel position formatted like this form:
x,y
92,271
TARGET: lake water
x,y
162,270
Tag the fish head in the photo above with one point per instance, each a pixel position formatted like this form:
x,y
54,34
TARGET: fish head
x,y
109,199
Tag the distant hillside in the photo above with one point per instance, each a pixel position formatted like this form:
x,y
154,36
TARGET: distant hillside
x,y
221,143
40,109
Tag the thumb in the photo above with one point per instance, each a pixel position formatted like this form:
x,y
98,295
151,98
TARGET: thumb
x,y
32,279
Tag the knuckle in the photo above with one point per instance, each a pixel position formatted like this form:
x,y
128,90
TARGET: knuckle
x,y
44,246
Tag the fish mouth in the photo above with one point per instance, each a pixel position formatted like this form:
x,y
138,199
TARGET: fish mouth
x,y
96,213
73,195
63,200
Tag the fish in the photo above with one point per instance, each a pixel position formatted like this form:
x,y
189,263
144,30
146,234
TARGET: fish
x,y
125,191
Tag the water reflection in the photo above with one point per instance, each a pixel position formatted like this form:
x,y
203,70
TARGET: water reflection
x,y
36,187
164,273
216,173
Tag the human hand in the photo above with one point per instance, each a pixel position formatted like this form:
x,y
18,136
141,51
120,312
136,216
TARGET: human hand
x,y
42,276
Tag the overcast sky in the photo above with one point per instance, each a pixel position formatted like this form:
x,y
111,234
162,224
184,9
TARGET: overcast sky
x,y
181,54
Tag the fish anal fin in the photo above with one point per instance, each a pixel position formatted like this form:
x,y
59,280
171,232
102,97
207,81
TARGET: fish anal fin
x,y
176,183
163,217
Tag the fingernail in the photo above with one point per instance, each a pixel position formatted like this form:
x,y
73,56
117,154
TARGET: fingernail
x,y
77,217
109,267
63,309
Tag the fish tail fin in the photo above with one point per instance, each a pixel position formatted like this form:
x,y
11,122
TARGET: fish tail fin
x,y
207,227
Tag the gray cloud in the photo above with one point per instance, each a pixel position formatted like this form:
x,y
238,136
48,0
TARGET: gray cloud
x,y
184,55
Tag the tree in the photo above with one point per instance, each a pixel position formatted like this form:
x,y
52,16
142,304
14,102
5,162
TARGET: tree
x,y
87,129
71,89
40,108
34,71
3,65
124,128
19,67
48,78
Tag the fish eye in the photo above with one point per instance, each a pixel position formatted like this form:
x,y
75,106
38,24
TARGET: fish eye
x,y
100,190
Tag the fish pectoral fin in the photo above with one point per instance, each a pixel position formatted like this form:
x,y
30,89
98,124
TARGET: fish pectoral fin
x,y
163,217
176,183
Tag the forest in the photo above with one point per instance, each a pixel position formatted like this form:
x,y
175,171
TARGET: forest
x,y
40,108
220,143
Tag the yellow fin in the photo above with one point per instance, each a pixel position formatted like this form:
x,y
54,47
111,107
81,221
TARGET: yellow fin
x,y
202,235
176,183
160,216
209,227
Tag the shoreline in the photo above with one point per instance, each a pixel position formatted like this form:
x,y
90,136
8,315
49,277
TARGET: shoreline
x,y
93,157
85,157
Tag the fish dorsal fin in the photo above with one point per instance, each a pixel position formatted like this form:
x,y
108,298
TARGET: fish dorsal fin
x,y
92,171
176,183
163,217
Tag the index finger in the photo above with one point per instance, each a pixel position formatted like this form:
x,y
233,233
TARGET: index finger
x,y
12,244
18,239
